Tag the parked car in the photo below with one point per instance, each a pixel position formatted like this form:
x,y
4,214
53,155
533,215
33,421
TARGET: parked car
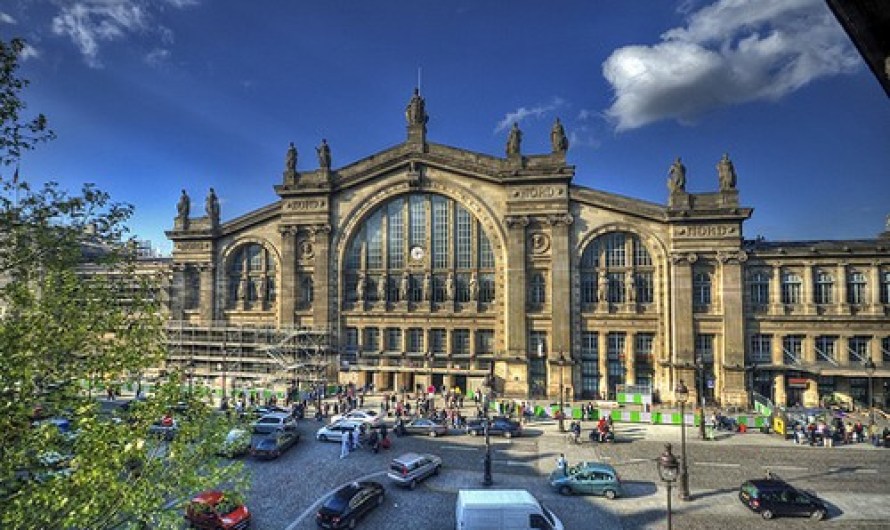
x,y
263,410
335,431
276,421
772,496
424,426
499,425
349,504
588,478
503,510
411,468
214,510
369,416
272,445
237,443
165,427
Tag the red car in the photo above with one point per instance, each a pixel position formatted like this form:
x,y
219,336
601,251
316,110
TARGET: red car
x,y
213,510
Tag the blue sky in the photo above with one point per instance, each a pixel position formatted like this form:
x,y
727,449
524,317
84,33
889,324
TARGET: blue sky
x,y
151,96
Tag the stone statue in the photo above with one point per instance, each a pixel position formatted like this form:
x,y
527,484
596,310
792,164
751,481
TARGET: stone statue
x,y
290,160
602,293
324,155
474,287
211,206
381,289
726,173
415,112
631,288
360,288
558,141
242,288
677,176
183,207
260,286
514,140
403,287
426,288
449,286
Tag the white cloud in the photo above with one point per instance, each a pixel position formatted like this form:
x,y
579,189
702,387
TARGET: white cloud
x,y
29,52
730,52
6,18
522,113
89,23
157,56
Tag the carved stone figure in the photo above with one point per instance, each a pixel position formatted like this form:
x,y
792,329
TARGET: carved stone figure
x,y
726,173
360,288
558,141
677,176
631,288
602,293
514,140
427,286
474,287
243,286
403,286
290,160
449,286
324,155
183,207
260,286
211,206
415,112
381,289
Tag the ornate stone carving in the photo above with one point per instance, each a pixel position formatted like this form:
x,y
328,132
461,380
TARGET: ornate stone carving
x,y
305,249
556,220
317,231
302,205
514,141
677,176
520,221
193,245
537,192
539,243
692,257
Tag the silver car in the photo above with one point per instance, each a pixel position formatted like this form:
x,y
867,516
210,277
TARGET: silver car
x,y
335,431
411,468
276,421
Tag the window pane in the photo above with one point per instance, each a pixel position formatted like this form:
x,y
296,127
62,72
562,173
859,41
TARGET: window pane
x,y
462,238
375,241
418,221
395,235
440,233
486,256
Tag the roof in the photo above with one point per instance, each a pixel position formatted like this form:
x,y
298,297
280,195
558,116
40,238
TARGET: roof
x,y
494,497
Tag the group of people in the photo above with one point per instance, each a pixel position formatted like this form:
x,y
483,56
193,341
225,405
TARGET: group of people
x,y
819,432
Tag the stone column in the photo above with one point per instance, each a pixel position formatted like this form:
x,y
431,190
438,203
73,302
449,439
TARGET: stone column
x,y
207,297
514,298
809,304
733,320
874,351
177,298
630,355
874,290
560,284
808,355
681,306
842,350
321,244
603,349
778,355
843,307
287,293
781,398
775,291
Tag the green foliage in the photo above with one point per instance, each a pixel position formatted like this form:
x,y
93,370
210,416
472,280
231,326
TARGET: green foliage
x,y
75,316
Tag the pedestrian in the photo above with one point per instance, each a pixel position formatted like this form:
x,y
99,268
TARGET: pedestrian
x,y
344,446
562,464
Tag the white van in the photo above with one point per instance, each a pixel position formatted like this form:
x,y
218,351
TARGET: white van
x,y
503,510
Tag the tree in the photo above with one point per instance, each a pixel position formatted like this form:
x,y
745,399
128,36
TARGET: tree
x,y
74,317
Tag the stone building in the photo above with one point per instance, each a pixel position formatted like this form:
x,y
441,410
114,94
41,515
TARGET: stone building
x,y
428,264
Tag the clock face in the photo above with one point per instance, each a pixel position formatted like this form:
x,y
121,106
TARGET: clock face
x,y
417,253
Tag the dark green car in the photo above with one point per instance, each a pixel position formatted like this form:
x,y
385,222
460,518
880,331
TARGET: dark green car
x,y
588,478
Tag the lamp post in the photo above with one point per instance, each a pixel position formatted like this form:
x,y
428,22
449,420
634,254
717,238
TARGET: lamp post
x,y
562,410
486,462
700,377
681,393
667,470
870,371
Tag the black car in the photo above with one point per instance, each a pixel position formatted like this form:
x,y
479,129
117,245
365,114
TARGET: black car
x,y
771,497
349,504
499,425
272,445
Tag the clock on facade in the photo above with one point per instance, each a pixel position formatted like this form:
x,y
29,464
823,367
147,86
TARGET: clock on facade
x,y
417,253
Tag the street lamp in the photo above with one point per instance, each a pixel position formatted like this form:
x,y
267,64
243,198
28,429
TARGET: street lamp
x,y
486,399
562,413
700,377
870,371
667,470
681,393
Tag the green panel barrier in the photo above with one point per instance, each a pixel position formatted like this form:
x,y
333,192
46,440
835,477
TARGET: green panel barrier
x,y
616,415
656,417
676,418
577,413
635,416
638,399
620,397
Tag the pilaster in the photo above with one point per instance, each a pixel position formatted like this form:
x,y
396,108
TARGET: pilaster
x,y
515,320
843,307
288,295
321,243
207,297
681,301
560,284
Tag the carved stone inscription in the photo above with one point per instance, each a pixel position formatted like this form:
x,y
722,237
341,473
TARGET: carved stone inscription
x,y
538,192
303,205
193,245
705,231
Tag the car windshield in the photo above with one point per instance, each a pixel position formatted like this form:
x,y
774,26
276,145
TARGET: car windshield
x,y
338,502
226,506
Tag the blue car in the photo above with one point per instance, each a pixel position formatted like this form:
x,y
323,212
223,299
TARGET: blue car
x,y
590,478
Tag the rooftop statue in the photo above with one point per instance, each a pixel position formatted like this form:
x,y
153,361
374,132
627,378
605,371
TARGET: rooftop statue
x,y
677,176
415,113
290,161
726,173
558,141
324,155
211,206
514,140
184,206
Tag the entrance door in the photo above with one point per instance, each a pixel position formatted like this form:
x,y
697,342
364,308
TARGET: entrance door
x,y
460,381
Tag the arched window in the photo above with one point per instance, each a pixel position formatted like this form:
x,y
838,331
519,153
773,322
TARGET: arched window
x,y
824,293
251,278
758,288
627,265
421,238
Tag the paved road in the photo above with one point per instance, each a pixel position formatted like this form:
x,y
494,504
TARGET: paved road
x,y
854,480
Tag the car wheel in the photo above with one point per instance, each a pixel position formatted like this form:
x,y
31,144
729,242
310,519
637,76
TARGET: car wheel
x,y
610,494
508,434
436,470
818,515
767,514
565,490
432,434
412,484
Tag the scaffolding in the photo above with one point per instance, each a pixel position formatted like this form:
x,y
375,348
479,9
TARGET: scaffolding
x,y
250,358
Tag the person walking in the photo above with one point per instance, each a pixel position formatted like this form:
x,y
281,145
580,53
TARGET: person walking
x,y
562,464
344,446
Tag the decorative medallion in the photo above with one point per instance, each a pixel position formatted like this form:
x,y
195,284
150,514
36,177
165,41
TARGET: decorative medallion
x,y
540,243
305,249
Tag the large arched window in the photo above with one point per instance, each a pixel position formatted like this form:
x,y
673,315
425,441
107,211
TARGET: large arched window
x,y
251,278
420,247
628,272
